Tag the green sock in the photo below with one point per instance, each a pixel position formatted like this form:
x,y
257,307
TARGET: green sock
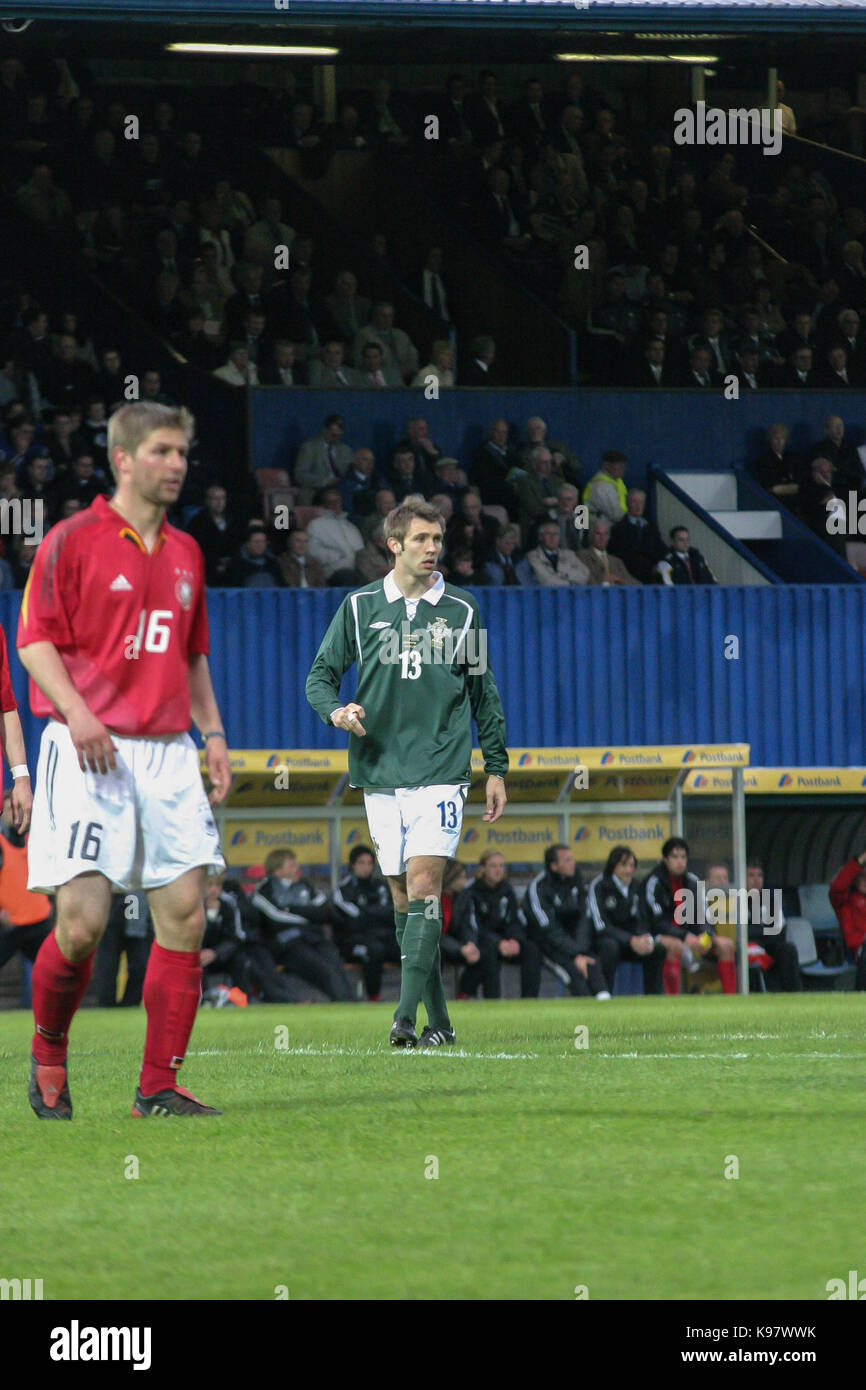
x,y
433,996
400,920
419,950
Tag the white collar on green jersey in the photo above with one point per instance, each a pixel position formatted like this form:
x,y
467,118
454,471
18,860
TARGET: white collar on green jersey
x,y
432,595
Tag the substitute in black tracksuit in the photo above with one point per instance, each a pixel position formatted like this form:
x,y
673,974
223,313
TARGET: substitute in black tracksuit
x,y
291,917
618,924
364,919
667,890
487,913
232,949
553,907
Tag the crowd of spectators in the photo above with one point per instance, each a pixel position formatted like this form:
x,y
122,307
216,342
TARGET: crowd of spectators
x,y
579,929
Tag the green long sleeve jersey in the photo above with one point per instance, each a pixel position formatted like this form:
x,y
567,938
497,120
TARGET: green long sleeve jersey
x,y
422,676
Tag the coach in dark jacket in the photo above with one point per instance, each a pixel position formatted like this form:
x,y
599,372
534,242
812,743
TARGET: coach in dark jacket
x,y
553,907
291,918
618,924
364,919
487,912
232,950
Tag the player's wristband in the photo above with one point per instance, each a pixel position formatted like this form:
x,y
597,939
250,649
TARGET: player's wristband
x,y
215,733
20,770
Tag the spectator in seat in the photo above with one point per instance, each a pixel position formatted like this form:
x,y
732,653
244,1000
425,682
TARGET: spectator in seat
x,y
375,560
604,569
460,567
848,897
799,372
406,476
478,368
651,369
553,908
700,371
334,540
372,373
849,338
232,951
358,484
553,566
447,478
470,528
713,336
397,348
536,493
34,485
571,536
749,374
151,387
238,370
69,379
836,374
253,566
564,462
348,310
768,949
487,913
424,451
428,284
605,494
842,454
439,368
248,296
505,568
300,570
818,501
278,369
636,540
216,533
364,920
384,501
291,918
491,467
83,483
331,371
322,459
779,469
683,563
664,891
619,925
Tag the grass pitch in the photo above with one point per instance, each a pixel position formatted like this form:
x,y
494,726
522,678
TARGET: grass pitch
x,y
558,1166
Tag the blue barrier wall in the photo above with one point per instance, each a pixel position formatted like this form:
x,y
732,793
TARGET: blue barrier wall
x,y
590,667
671,429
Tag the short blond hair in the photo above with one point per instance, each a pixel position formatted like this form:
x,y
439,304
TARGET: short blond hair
x,y
132,424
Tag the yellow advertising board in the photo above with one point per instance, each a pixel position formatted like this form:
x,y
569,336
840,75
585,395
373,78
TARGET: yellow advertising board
x,y
246,842
593,837
781,781
521,841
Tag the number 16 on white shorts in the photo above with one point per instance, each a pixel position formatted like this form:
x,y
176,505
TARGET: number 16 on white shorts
x,y
412,821
142,825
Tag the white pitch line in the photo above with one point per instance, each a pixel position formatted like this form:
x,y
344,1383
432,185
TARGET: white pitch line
x,y
310,1051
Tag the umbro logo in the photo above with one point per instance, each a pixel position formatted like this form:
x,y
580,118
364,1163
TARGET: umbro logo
x,y
375,627
120,583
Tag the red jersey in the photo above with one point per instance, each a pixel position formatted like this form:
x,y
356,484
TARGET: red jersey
x,y
7,694
849,905
124,621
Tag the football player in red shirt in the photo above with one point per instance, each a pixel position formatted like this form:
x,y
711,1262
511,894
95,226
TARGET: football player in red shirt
x,y
12,743
113,632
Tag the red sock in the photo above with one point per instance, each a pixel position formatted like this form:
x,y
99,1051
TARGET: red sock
x,y
728,975
671,976
171,996
57,989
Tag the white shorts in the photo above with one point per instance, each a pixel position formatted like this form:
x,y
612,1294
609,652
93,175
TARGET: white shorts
x,y
411,821
142,825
